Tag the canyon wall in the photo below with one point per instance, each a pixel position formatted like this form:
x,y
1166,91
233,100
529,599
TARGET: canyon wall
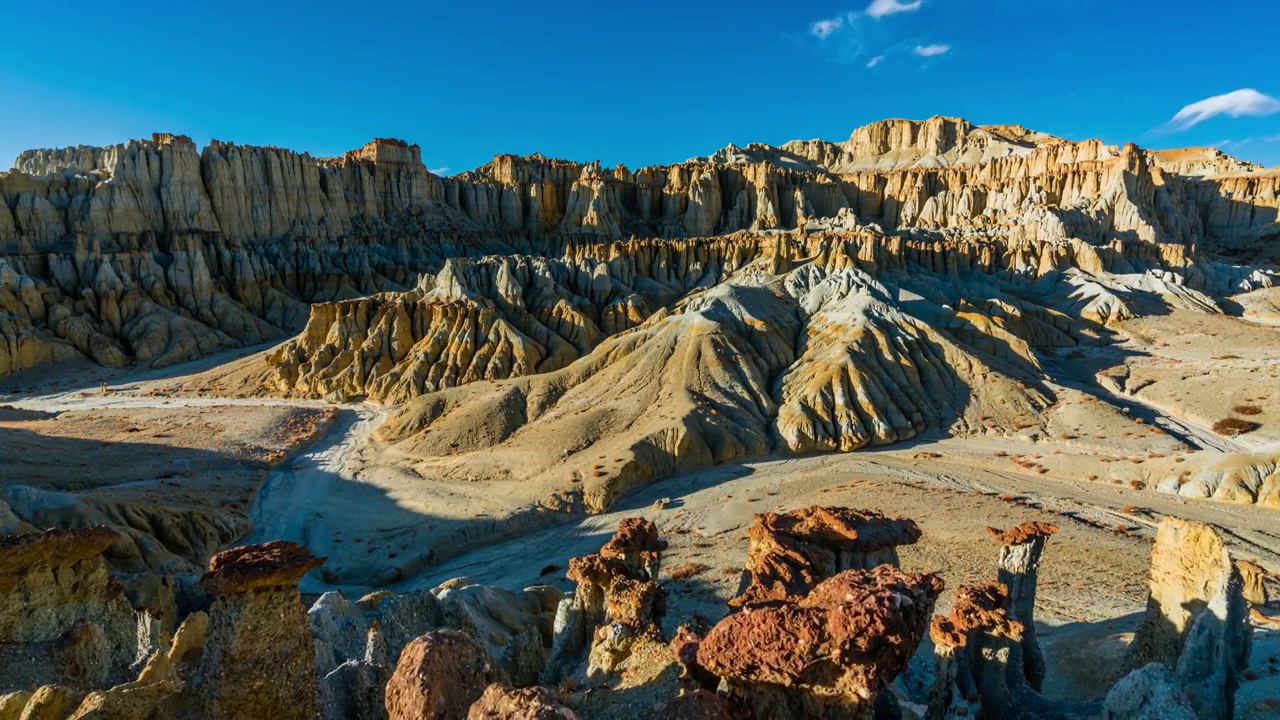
x,y
155,251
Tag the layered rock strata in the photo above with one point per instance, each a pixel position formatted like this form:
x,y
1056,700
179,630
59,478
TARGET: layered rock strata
x,y
156,252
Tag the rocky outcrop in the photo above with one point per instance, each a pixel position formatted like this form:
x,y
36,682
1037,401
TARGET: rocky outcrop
x,y
440,675
828,655
1243,478
974,652
1196,621
1253,579
515,627
357,645
259,659
790,553
63,621
742,368
616,606
1151,692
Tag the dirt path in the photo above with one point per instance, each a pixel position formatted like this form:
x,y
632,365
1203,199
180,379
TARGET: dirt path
x,y
286,505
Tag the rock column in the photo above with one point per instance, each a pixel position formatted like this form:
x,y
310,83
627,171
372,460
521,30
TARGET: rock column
x,y
259,660
1019,565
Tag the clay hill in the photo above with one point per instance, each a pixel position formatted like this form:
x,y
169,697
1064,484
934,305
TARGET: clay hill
x,y
284,436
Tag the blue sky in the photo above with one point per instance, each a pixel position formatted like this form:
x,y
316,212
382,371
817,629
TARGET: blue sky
x,y
638,82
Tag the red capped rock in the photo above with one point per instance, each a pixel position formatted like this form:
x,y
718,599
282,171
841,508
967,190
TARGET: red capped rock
x,y
276,564
791,552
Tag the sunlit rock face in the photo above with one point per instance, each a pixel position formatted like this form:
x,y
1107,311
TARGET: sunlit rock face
x,y
157,252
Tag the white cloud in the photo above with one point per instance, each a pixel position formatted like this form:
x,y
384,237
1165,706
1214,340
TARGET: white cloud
x,y
931,50
875,61
438,171
879,8
823,28
1235,104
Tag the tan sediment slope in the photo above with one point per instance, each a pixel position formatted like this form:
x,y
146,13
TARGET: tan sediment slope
x,y
799,361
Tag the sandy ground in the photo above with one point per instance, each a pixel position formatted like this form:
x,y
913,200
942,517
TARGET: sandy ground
x,y
176,476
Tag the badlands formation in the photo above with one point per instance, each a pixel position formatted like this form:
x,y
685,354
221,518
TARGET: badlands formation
x,y
722,438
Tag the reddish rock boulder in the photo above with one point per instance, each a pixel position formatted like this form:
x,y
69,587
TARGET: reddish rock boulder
x,y
791,552
500,702
440,675
827,655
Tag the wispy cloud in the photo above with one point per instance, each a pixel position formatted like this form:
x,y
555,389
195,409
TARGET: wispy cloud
x,y
931,50
438,171
880,8
859,38
1236,144
1234,104
823,28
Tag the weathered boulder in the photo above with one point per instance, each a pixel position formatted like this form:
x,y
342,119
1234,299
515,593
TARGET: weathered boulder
x,y
276,564
440,675
1151,692
532,703
790,553
828,655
